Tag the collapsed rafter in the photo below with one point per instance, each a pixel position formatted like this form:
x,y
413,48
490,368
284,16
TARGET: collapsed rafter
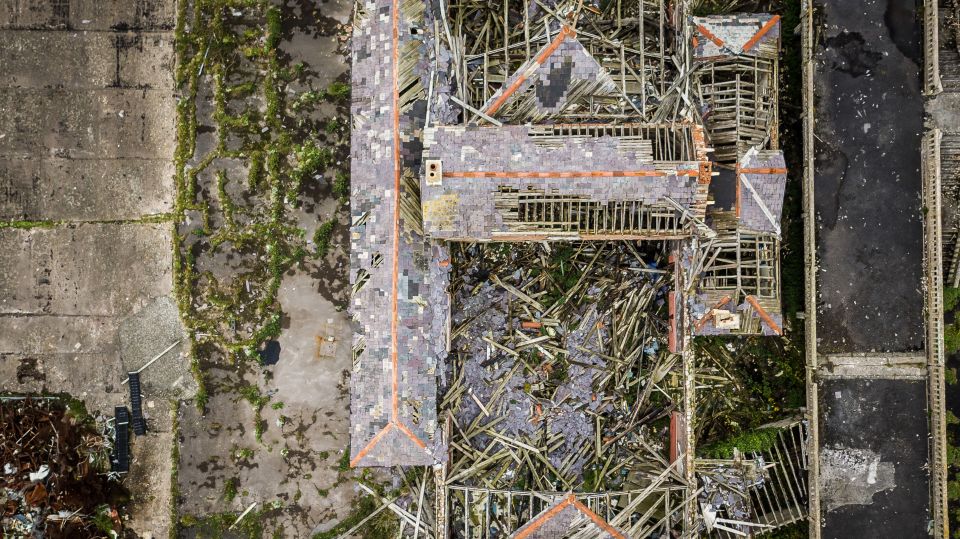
x,y
494,40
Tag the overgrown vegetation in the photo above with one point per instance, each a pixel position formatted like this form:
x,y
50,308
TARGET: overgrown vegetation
x,y
103,522
951,302
770,385
341,186
383,525
240,170
218,526
230,489
338,91
953,473
797,530
252,395
951,329
322,237
755,441
174,468
229,49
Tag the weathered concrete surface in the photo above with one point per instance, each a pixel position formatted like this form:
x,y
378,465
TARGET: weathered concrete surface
x,y
64,298
84,270
114,146
87,14
297,463
873,477
296,467
944,111
853,476
87,124
869,120
102,117
89,59
873,421
113,189
87,134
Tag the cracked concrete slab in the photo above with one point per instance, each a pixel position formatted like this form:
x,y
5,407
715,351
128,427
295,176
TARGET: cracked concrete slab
x,y
87,14
89,59
86,124
114,189
87,134
84,270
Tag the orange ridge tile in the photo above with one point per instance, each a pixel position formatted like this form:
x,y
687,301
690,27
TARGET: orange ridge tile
x,y
565,32
764,316
709,315
573,174
762,32
709,35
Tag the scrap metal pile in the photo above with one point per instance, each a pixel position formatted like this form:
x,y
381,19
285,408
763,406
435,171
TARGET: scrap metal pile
x,y
558,377
53,481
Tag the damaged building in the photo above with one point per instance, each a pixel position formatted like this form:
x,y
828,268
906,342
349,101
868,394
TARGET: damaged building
x,y
631,152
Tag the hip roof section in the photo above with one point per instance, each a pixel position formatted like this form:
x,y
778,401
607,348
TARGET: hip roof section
x,y
552,81
399,280
745,34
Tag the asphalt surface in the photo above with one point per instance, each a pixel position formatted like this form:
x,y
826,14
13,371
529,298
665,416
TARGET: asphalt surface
x,y
869,121
886,419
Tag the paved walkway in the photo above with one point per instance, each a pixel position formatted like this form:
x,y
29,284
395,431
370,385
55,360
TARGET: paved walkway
x,y
86,144
867,177
873,433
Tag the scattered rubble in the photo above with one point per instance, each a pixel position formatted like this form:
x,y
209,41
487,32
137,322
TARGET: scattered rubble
x,y
557,377
56,479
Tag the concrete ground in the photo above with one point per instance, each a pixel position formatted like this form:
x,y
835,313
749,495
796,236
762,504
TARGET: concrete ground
x,y
873,425
873,466
297,463
294,475
86,141
869,121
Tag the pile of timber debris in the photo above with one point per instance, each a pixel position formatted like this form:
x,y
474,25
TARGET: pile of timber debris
x,y
558,376
54,479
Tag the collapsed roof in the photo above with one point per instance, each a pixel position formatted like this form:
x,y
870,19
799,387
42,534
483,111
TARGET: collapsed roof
x,y
552,82
399,281
466,177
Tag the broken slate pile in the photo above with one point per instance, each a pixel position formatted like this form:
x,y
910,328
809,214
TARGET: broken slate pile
x,y
533,328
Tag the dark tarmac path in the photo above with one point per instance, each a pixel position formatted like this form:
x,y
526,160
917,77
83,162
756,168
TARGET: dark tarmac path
x,y
873,424
869,120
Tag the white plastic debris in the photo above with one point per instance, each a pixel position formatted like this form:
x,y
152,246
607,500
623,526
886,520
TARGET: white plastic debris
x,y
40,474
9,469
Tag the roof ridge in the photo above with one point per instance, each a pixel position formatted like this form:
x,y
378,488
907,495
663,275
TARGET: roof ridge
x,y
767,319
570,500
565,32
760,33
379,437
703,321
